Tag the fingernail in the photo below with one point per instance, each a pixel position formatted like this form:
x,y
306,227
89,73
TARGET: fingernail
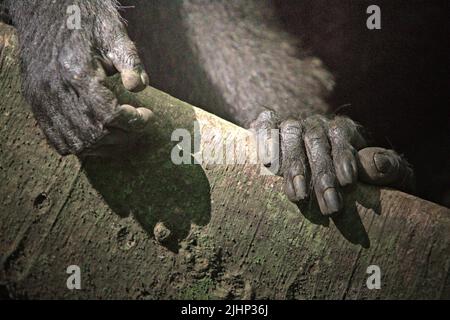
x,y
132,81
383,162
289,190
348,174
332,200
145,79
146,114
128,112
267,153
300,187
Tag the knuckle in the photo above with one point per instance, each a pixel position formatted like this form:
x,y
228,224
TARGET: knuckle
x,y
265,120
297,168
325,181
291,128
73,67
348,154
124,50
314,129
342,148
291,123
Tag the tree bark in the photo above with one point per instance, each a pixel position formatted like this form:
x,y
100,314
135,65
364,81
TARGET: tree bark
x,y
144,228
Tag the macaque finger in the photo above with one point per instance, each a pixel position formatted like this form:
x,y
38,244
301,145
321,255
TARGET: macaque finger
x,y
266,121
131,119
122,53
294,164
318,149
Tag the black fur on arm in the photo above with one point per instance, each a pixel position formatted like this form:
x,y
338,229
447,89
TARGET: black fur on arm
x,y
60,76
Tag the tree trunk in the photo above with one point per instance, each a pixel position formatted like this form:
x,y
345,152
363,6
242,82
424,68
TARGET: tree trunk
x,y
146,228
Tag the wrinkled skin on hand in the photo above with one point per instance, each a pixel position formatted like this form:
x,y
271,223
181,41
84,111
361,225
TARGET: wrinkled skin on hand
x,y
64,71
326,154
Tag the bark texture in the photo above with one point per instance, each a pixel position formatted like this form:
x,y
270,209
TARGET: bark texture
x,y
144,228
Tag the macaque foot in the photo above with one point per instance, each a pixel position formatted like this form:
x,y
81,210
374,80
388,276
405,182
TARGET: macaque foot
x,y
324,155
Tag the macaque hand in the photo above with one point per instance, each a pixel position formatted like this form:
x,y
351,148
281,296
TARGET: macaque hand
x,y
64,81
